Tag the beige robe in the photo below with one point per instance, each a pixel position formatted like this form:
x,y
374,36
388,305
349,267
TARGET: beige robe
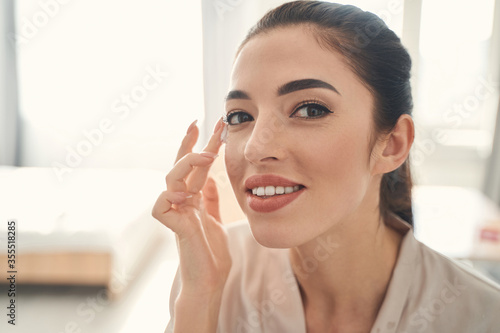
x,y
428,292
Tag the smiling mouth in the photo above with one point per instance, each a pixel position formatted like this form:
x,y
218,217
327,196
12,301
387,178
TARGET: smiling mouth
x,y
270,191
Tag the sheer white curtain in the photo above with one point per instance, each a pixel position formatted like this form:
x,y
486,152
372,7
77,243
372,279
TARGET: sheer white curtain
x,y
9,125
492,177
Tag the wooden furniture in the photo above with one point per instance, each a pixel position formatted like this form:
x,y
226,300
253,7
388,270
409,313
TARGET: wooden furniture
x,y
87,229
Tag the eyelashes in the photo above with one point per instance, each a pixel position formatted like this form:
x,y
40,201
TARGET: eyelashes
x,y
310,109
236,118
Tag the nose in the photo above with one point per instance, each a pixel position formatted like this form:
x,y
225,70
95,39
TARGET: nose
x,y
267,141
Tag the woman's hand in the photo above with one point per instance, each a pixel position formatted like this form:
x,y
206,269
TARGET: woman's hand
x,y
202,241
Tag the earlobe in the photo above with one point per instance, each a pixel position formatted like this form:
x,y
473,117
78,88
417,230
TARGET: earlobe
x,y
397,145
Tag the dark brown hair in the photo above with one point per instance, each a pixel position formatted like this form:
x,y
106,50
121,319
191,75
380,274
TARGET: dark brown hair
x,y
377,57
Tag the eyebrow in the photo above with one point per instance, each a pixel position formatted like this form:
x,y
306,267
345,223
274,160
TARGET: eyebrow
x,y
296,85
237,94
287,88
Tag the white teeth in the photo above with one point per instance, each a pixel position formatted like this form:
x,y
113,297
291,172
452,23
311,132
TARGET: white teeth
x,y
270,190
274,190
261,191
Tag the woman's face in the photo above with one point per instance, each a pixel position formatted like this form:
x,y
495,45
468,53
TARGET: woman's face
x,y
297,111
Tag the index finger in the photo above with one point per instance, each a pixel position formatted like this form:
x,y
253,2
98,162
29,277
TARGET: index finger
x,y
189,141
215,141
198,177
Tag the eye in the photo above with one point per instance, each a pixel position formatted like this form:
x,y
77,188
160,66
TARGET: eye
x,y
238,117
310,110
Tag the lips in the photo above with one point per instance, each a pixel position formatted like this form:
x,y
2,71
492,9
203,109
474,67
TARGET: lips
x,y
273,200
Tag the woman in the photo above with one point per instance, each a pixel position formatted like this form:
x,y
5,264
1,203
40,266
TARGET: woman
x,y
318,130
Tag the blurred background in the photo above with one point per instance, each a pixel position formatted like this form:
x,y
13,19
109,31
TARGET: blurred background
x,y
95,97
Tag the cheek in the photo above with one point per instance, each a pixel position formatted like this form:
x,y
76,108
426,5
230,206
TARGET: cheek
x,y
233,159
341,147
235,167
339,159
340,171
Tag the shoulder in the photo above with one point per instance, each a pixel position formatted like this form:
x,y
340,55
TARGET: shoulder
x,y
430,292
449,270
448,294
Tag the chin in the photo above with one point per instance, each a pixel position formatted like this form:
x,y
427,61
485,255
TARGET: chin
x,y
273,234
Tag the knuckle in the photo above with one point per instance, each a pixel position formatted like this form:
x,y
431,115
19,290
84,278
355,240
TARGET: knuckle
x,y
189,156
155,212
169,178
193,157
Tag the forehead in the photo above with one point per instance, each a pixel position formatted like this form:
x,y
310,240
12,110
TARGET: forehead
x,y
286,54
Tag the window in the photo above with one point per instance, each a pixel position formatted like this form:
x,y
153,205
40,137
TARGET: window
x,y
455,96
107,83
454,91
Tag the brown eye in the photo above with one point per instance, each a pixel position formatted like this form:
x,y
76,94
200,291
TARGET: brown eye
x,y
311,110
239,117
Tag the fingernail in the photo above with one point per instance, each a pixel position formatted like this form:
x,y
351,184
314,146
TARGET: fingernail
x,y
218,125
191,127
223,135
208,154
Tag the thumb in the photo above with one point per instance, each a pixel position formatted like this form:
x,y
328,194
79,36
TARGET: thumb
x,y
211,199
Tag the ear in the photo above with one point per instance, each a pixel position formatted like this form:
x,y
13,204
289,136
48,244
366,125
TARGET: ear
x,y
393,149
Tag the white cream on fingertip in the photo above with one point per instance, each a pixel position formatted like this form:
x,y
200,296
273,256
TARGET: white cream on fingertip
x,y
223,135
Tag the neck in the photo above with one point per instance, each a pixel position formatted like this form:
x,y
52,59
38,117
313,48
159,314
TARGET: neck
x,y
344,273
